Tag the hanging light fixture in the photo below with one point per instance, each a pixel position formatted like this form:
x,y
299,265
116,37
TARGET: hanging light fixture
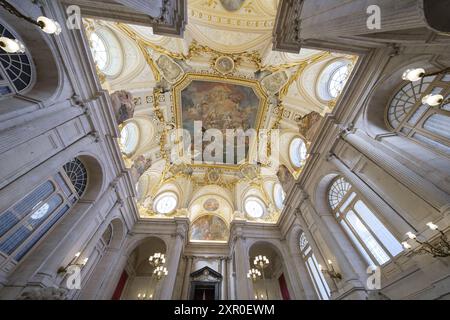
x,y
11,45
48,25
433,100
413,74
157,259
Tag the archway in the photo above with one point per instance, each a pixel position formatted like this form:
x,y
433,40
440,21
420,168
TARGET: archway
x,y
273,282
140,282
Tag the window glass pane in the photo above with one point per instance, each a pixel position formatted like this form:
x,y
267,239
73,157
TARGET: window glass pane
x,y
40,213
347,202
433,143
309,266
405,99
357,243
439,124
317,279
11,217
62,184
297,152
337,192
364,234
321,279
40,233
383,234
417,114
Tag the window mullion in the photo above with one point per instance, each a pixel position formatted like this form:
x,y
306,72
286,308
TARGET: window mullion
x,y
41,226
356,234
380,243
21,222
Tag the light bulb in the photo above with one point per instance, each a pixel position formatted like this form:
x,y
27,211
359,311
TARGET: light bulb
x,y
411,235
330,262
320,267
85,261
433,99
48,25
406,245
432,226
413,74
11,45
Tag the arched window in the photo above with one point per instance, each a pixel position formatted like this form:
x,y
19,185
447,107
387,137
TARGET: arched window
x,y
27,221
374,241
409,116
129,138
297,152
313,267
254,207
332,80
106,51
166,203
279,195
15,69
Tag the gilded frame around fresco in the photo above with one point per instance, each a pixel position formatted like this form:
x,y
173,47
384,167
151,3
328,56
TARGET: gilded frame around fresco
x,y
261,116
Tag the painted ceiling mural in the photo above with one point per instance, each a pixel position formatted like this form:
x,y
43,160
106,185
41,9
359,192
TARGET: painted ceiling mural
x,y
223,73
222,106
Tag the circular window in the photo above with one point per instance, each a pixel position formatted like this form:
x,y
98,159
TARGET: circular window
x,y
279,196
297,152
337,81
332,80
98,48
254,207
129,137
166,203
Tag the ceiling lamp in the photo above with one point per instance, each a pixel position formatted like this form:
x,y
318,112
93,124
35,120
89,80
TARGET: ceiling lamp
x,y
48,25
413,74
433,100
11,45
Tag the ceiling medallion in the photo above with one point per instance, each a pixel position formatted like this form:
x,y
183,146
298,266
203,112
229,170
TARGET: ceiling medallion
x,y
232,5
211,204
224,64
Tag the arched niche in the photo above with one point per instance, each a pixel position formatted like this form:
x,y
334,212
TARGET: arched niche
x,y
140,271
205,199
46,73
277,280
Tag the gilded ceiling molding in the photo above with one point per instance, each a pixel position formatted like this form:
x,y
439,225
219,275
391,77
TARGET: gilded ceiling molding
x,y
251,16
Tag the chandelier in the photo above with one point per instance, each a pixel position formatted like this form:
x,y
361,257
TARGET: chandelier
x,y
157,259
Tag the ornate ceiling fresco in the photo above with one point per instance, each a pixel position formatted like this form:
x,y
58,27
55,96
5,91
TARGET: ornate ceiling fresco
x,y
223,75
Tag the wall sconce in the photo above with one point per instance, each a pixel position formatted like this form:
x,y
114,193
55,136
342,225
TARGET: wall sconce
x,y
71,263
331,273
440,249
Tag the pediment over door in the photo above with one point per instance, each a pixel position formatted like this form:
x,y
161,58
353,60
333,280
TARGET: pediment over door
x,y
206,274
